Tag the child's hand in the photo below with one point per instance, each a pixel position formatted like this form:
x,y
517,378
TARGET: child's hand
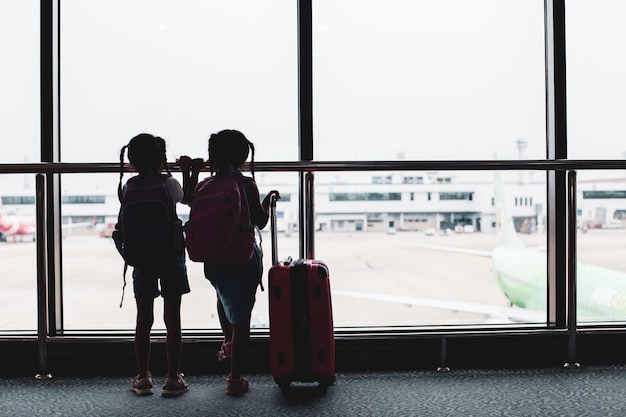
x,y
184,162
266,201
197,164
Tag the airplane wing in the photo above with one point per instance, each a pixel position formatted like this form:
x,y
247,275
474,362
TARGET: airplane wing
x,y
495,313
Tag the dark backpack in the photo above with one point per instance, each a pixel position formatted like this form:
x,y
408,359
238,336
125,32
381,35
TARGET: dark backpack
x,y
148,224
219,231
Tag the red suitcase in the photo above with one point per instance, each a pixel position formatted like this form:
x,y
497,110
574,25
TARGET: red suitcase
x,y
302,343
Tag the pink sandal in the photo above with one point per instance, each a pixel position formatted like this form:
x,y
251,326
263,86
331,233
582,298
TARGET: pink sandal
x,y
236,387
225,352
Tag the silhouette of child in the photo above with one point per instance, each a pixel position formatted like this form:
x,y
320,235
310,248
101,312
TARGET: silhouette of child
x,y
146,154
236,287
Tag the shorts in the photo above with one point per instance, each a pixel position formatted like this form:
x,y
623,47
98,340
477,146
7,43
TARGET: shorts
x,y
236,287
173,279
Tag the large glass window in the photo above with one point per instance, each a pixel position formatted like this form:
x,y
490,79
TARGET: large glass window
x,y
18,254
179,70
393,80
19,139
601,237
19,81
596,88
93,269
415,80
596,102
421,261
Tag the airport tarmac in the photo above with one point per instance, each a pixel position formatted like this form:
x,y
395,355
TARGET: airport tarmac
x,y
390,267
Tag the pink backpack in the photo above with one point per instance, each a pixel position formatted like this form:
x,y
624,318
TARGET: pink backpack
x,y
219,231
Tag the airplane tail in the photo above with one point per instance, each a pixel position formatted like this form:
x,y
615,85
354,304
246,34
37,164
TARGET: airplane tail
x,y
506,227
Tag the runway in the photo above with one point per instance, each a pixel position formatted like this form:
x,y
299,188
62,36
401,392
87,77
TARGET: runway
x,y
393,267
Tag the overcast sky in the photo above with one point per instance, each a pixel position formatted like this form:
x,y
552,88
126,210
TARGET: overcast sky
x,y
399,79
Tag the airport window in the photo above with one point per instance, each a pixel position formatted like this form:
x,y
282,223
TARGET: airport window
x,y
619,214
364,196
591,194
19,82
455,196
18,200
415,83
83,199
255,42
413,180
387,91
381,180
595,109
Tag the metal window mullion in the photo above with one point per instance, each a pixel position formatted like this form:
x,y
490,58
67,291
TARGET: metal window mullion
x,y
305,114
49,116
556,149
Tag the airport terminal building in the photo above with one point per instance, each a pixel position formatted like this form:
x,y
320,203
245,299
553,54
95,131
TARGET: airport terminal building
x,y
429,202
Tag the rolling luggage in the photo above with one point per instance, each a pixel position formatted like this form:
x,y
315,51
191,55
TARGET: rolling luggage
x,y
302,343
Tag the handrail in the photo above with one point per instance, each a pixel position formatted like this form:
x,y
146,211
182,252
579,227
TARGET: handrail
x,y
42,293
571,272
417,165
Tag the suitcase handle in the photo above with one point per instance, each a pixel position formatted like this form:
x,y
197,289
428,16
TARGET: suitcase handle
x,y
273,197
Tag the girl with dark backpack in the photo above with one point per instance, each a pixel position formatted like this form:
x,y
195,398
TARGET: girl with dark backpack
x,y
149,238
236,281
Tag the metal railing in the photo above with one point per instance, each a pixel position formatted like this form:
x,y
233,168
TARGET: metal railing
x,y
568,166
417,165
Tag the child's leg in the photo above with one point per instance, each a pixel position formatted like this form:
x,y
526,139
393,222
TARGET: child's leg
x,y
145,318
241,341
224,323
171,317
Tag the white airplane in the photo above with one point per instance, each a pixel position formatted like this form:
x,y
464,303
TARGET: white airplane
x,y
15,228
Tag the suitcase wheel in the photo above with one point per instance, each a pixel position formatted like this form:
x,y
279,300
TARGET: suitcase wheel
x,y
327,381
284,385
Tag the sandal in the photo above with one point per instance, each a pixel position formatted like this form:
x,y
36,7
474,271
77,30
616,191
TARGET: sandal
x,y
172,387
142,386
236,387
225,352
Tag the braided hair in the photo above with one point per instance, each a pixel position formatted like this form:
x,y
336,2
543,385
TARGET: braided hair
x,y
146,154
230,147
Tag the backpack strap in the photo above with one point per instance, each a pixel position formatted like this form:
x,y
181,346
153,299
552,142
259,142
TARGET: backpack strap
x,y
124,286
245,184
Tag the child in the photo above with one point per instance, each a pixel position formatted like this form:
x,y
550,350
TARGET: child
x,y
235,286
146,154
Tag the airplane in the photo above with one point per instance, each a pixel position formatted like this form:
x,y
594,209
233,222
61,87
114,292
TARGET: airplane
x,y
24,228
521,274
16,226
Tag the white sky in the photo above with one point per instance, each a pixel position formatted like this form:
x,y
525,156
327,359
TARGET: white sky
x,y
399,79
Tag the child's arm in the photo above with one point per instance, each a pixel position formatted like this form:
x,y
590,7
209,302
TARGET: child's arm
x,y
190,169
259,210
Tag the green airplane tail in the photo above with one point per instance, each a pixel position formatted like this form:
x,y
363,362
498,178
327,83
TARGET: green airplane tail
x,y
506,228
